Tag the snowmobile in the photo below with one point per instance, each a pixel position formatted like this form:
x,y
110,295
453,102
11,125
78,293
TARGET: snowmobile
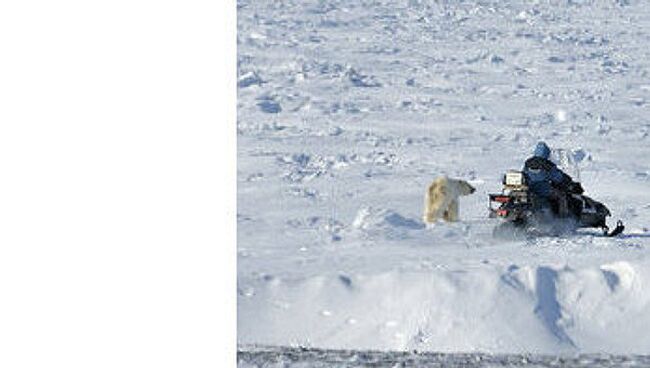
x,y
522,212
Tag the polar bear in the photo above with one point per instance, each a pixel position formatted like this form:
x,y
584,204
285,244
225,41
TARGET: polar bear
x,y
441,199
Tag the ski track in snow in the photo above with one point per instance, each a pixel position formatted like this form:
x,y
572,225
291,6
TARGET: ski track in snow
x,y
348,109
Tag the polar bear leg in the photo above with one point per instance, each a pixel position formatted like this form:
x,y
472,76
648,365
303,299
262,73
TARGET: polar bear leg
x,y
434,209
434,204
438,211
451,214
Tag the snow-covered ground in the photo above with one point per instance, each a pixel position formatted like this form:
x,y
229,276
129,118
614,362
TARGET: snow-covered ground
x,y
348,109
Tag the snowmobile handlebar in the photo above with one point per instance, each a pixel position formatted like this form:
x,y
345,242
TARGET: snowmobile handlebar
x,y
576,188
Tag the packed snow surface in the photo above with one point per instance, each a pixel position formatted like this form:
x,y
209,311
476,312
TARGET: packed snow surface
x,y
347,110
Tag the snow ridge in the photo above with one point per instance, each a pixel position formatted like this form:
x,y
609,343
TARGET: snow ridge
x,y
480,308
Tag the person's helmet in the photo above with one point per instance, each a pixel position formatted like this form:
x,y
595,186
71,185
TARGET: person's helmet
x,y
542,150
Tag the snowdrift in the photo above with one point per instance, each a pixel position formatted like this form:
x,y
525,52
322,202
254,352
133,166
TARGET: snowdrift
x,y
487,308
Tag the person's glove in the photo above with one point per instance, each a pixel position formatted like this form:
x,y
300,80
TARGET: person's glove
x,y
576,188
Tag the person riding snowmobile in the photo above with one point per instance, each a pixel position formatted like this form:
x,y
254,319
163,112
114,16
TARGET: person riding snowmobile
x,y
548,182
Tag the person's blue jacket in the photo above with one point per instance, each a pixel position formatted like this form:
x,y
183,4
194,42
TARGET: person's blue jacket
x,y
542,174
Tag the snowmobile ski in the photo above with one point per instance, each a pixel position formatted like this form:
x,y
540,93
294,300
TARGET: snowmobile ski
x,y
617,230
